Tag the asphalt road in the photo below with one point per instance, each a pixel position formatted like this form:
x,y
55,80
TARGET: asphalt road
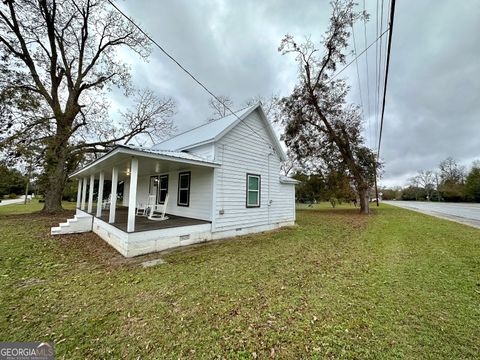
x,y
468,214
13,201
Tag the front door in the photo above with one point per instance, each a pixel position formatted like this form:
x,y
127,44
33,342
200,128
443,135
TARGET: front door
x,y
162,189
153,188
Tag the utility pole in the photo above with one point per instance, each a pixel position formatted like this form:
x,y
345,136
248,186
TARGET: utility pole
x,y
29,176
387,66
438,190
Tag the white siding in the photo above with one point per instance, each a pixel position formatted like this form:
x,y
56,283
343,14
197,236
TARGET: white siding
x,y
205,151
240,152
142,190
200,194
200,206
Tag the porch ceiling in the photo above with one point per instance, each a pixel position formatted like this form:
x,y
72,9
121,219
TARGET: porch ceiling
x,y
147,164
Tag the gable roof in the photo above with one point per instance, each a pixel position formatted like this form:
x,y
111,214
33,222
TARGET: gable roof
x,y
215,130
202,134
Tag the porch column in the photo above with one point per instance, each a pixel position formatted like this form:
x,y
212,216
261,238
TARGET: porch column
x,y
90,193
84,193
132,195
113,195
79,193
101,180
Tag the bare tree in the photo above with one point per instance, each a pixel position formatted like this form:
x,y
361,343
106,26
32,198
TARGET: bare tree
x,y
270,104
64,55
288,167
219,106
425,179
149,115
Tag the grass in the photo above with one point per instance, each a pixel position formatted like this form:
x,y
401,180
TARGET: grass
x,y
30,207
396,284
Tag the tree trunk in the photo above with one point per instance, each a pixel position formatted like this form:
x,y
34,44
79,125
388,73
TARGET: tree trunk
x,y
364,206
55,171
53,197
26,190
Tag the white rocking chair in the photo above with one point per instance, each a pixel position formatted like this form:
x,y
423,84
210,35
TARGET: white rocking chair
x,y
143,209
106,203
157,212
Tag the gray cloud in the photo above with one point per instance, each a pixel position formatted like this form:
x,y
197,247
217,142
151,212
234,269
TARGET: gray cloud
x,y
433,96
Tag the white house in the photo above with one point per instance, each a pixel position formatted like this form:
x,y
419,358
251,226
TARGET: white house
x,y
222,180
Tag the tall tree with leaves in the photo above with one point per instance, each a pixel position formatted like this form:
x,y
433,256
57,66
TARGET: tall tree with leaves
x,y
472,183
318,121
64,54
452,178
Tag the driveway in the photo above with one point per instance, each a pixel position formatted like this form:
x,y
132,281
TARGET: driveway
x,y
465,213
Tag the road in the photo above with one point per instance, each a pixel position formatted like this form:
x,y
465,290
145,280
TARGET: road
x,y
468,214
13,201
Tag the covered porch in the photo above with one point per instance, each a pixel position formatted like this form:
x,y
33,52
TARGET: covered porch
x,y
138,172
142,223
114,187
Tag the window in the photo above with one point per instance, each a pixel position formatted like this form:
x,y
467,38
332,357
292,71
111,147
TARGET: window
x,y
162,189
253,190
183,198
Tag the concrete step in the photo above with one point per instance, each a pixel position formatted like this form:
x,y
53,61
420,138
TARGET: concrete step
x,y
55,230
77,224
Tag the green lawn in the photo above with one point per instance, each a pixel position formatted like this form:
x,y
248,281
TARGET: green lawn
x,y
396,284
30,207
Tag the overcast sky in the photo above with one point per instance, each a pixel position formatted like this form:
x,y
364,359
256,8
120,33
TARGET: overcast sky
x,y
433,97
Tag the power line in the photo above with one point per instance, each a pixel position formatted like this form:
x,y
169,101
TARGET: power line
x,y
368,77
185,70
392,15
356,57
375,102
379,78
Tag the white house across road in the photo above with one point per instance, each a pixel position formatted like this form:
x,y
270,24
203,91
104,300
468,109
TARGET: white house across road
x,y
221,179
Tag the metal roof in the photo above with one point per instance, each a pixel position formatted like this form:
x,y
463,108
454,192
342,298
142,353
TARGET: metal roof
x,y
202,134
288,180
167,155
170,153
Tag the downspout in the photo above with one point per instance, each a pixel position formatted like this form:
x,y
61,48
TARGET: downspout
x,y
269,201
222,210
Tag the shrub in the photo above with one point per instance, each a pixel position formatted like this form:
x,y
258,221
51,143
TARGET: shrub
x,y
333,201
12,196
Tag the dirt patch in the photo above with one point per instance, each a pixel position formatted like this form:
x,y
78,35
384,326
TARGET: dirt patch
x,y
92,248
39,217
30,282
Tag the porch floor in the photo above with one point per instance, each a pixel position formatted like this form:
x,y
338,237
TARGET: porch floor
x,y
143,224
